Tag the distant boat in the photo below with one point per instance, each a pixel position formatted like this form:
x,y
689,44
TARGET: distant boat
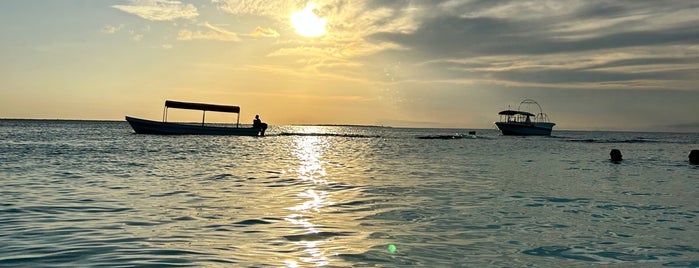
x,y
524,123
143,126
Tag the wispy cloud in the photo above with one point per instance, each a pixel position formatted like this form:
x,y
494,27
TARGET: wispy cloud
x,y
160,10
561,44
264,32
277,10
213,33
111,29
136,37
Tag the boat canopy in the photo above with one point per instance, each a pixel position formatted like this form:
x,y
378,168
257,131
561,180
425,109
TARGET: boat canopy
x,y
513,112
202,106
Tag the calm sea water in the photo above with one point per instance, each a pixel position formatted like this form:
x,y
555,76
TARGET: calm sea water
x,y
79,193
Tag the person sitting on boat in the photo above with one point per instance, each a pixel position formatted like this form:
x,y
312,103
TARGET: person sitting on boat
x,y
257,123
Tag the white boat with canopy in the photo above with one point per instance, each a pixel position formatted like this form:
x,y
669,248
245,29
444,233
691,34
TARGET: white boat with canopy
x,y
524,123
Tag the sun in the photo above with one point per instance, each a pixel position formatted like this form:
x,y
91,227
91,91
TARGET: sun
x,y
307,23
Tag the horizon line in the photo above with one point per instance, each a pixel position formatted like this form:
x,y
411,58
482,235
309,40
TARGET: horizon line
x,y
356,125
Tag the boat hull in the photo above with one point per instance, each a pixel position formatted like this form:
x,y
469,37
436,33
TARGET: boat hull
x,y
519,129
143,126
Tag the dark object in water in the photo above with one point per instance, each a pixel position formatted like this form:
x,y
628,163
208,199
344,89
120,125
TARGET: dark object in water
x,y
694,157
472,133
615,154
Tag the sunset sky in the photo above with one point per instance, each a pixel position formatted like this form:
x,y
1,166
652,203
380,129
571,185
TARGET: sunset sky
x,y
592,65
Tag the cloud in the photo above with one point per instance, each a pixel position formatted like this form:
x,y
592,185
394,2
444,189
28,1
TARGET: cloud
x,y
458,37
624,45
213,33
159,10
111,29
276,10
264,32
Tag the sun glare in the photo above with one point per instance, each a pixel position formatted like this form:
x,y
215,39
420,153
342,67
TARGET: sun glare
x,y
307,23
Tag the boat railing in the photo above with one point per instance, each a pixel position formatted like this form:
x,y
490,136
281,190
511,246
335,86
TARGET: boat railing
x,y
541,118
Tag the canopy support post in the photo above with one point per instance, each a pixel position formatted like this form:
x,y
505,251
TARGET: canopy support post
x,y
203,116
165,114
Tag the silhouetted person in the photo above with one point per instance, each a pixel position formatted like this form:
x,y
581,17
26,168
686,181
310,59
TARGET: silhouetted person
x,y
257,123
615,154
694,157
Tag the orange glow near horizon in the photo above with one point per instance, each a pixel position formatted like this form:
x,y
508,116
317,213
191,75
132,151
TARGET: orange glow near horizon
x,y
398,64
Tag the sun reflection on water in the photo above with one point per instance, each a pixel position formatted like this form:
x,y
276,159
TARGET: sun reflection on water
x,y
309,151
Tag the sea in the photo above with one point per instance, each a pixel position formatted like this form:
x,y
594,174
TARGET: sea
x,y
95,194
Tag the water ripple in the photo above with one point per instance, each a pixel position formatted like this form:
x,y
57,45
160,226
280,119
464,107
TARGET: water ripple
x,y
96,195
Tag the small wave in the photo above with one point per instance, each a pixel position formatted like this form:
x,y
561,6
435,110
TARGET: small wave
x,y
637,140
315,236
558,252
168,193
328,135
252,222
374,257
358,203
485,227
455,136
583,140
621,256
134,164
582,253
221,176
70,175
682,264
172,252
70,209
563,200
441,137
141,223
283,182
184,218
11,210
648,207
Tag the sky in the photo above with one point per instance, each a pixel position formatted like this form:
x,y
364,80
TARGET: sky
x,y
591,65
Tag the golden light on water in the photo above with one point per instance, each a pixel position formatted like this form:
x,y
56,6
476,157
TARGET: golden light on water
x,y
309,151
307,23
320,227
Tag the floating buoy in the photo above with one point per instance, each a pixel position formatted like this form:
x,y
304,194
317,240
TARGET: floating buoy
x,y
694,157
615,154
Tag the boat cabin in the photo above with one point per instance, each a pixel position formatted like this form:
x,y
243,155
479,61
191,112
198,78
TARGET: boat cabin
x,y
512,116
